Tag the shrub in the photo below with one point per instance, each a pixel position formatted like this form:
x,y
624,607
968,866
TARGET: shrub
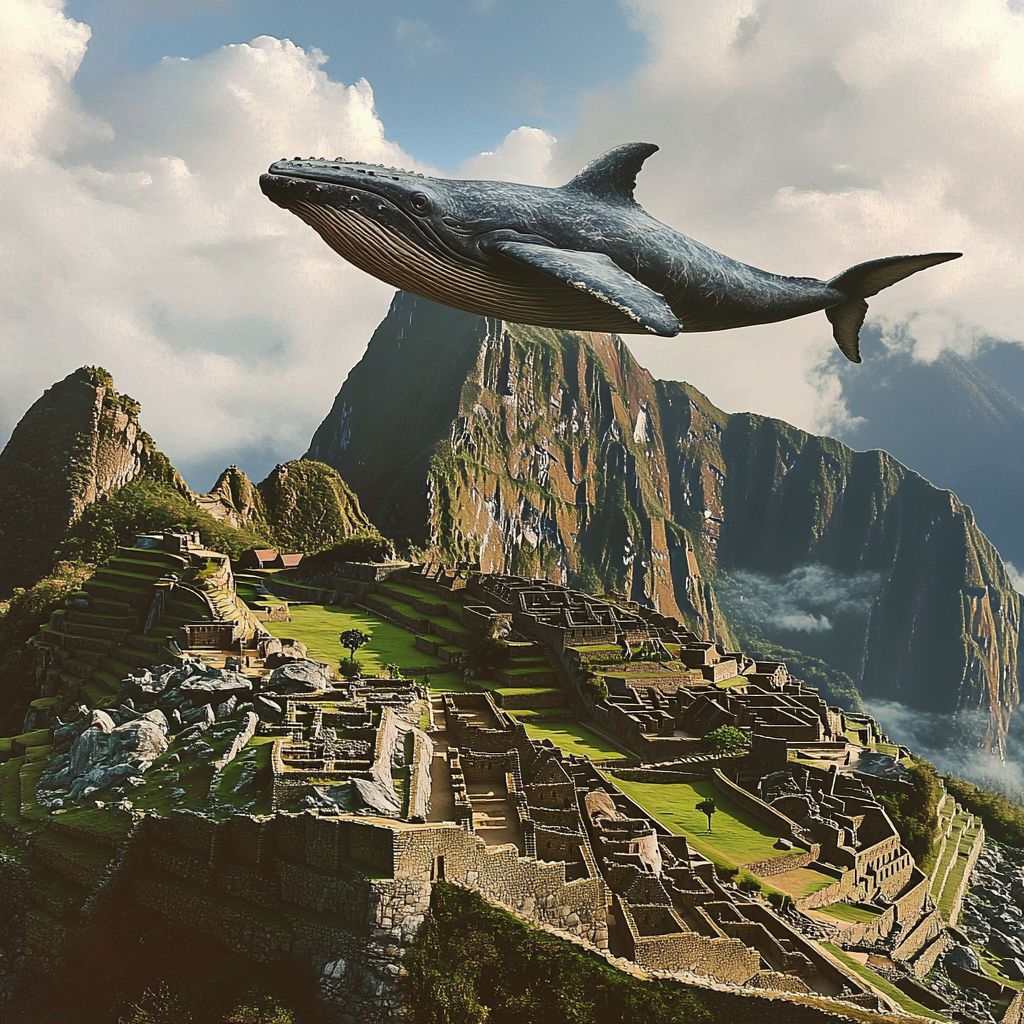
x,y
727,739
1003,819
487,654
348,669
749,884
473,963
594,687
369,547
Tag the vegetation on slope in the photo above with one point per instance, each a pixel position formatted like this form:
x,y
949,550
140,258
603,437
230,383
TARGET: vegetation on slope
x,y
309,507
77,443
915,813
26,610
473,963
836,687
1003,819
144,506
132,967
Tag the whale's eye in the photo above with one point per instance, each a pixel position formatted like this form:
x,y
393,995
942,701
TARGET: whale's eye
x,y
420,203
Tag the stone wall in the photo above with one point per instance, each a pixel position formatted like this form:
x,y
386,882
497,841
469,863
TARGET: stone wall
x,y
787,828
658,940
539,890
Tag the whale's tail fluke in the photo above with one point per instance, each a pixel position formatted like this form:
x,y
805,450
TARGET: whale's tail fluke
x,y
867,279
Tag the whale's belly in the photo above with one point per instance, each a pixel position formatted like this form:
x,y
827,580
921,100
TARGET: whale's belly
x,y
514,293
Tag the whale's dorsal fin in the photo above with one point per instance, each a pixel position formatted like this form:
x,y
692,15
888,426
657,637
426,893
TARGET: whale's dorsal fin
x,y
597,275
613,175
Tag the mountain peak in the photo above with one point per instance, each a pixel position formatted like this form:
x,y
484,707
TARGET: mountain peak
x,y
77,444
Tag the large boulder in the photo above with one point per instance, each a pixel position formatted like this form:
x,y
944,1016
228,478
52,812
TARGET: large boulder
x,y
219,684
104,753
300,677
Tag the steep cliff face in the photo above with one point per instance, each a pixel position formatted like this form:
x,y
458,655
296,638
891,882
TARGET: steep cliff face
x,y
79,443
552,452
303,505
942,630
534,451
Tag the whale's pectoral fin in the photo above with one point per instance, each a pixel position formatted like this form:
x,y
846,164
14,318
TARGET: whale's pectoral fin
x,y
847,319
597,275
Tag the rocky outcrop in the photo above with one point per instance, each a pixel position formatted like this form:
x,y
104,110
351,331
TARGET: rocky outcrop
x,y
549,452
533,451
78,444
303,505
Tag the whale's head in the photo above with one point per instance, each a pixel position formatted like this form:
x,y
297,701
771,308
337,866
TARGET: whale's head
x,y
394,224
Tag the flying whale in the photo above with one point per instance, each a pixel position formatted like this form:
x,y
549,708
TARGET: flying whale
x,y
584,256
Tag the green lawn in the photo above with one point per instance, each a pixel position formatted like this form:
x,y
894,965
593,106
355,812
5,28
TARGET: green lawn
x,y
849,912
948,895
572,738
318,626
737,838
800,882
732,681
900,998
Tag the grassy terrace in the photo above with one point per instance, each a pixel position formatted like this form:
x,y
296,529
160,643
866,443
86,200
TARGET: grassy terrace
x,y
318,626
850,913
737,837
900,998
947,897
572,737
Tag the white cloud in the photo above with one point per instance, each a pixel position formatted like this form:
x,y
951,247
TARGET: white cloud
x,y
805,137
143,243
807,599
417,38
524,155
798,136
1016,577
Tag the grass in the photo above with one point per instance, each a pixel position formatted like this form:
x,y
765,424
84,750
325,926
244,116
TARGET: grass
x,y
800,882
850,913
572,738
992,966
948,895
887,987
737,837
318,626
732,681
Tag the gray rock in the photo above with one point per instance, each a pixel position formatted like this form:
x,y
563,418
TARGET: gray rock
x,y
203,716
267,709
374,796
300,677
226,708
220,685
963,956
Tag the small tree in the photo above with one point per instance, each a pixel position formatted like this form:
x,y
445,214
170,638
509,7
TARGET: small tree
x,y
727,739
352,640
707,808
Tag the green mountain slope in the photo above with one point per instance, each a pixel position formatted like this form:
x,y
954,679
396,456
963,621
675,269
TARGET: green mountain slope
x,y
78,444
543,451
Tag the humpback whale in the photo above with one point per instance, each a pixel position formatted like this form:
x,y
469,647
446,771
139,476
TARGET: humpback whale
x,y
583,256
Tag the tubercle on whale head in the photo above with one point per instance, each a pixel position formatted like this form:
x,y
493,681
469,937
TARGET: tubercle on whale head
x,y
458,216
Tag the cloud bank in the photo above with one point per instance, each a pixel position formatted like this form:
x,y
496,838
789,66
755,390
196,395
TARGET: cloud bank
x,y
807,599
805,137
949,743
797,136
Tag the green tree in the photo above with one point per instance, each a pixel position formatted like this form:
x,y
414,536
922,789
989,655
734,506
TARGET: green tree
x,y
727,739
352,640
707,808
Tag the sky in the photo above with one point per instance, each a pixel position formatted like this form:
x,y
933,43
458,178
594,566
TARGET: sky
x,y
798,136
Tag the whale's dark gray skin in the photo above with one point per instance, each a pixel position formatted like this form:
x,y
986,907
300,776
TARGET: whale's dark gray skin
x,y
584,256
